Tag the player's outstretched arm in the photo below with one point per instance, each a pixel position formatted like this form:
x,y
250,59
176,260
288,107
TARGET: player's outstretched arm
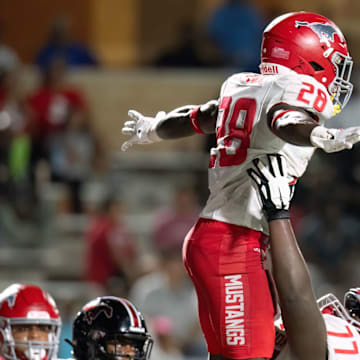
x,y
181,122
303,321
298,127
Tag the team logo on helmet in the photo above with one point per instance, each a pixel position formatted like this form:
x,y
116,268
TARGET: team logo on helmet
x,y
93,312
325,32
11,300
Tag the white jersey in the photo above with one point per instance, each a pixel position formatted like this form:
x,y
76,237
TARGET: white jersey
x,y
343,341
243,134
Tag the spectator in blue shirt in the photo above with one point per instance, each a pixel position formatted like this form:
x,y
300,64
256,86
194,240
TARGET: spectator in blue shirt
x,y
60,45
236,29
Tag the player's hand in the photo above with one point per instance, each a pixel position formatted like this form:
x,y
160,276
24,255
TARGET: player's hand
x,y
272,186
141,129
333,140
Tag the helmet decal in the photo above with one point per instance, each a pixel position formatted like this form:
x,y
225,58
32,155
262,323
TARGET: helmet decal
x,y
133,314
10,294
325,32
11,300
280,53
36,315
92,312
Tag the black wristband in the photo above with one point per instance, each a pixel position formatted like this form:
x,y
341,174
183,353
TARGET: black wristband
x,y
278,214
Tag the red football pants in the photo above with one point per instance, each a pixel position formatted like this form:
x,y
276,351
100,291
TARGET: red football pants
x,y
235,304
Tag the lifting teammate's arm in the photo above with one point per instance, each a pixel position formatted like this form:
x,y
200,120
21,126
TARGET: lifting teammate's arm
x,y
302,319
304,324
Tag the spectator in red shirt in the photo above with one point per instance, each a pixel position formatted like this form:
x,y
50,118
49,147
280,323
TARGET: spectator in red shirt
x,y
61,133
174,222
111,250
54,101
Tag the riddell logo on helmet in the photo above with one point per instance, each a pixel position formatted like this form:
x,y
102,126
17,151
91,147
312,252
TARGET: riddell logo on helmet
x,y
325,32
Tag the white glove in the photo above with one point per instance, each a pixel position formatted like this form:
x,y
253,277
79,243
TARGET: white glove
x,y
333,140
142,129
272,186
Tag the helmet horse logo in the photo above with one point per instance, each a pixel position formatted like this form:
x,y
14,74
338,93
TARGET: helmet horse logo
x,y
92,313
11,300
325,32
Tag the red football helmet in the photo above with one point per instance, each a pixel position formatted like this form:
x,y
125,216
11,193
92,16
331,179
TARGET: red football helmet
x,y
310,44
352,305
24,309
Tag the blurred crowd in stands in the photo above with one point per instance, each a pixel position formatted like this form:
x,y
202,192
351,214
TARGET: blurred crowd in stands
x,y
47,141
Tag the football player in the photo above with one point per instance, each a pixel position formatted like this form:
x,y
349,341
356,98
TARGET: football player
x,y
110,328
304,80
308,329
29,324
352,305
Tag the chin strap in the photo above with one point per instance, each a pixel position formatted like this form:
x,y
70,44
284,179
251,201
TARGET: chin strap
x,y
70,343
337,107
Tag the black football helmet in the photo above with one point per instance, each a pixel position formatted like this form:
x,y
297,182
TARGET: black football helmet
x,y
352,305
110,328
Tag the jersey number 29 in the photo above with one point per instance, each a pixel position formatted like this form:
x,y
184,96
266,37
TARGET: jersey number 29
x,y
233,131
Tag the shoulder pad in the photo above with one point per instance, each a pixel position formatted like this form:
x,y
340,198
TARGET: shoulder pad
x,y
305,92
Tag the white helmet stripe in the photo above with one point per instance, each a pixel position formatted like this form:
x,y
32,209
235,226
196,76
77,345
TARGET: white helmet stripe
x,y
277,20
133,314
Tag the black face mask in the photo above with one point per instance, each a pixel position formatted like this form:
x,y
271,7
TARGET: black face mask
x,y
119,348
353,306
97,349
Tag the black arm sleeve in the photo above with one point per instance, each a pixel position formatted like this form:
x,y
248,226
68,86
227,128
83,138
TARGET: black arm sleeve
x,y
178,125
296,134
